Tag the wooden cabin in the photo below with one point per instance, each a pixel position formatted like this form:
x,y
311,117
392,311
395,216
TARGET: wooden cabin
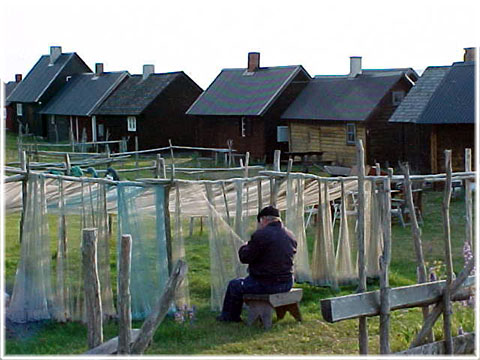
x,y
72,107
43,81
333,112
439,114
244,105
152,108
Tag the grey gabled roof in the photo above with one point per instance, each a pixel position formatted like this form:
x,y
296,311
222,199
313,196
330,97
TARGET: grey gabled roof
x,y
83,93
236,92
9,86
135,94
341,97
454,99
37,81
413,105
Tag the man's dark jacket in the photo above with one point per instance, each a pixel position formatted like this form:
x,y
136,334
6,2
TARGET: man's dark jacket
x,y
269,253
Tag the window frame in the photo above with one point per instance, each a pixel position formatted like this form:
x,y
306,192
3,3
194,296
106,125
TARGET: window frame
x,y
19,109
348,131
397,97
131,123
284,129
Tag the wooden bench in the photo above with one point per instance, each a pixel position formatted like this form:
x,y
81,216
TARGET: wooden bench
x,y
261,306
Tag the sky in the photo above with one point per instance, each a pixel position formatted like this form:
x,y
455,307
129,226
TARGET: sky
x,y
202,37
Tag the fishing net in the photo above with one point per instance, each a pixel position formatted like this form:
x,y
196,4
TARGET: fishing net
x,y
149,264
224,243
294,221
32,297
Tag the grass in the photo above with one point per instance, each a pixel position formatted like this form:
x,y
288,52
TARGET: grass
x,y
205,336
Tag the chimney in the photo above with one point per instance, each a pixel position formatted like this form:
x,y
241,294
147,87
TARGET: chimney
x,y
469,54
18,78
98,69
253,61
355,66
55,52
148,70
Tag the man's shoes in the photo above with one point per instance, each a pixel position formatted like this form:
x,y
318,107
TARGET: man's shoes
x,y
223,319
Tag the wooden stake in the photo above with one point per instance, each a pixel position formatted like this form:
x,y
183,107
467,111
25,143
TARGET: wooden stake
x,y
171,151
24,164
417,236
227,211
247,160
136,151
68,166
92,288
161,308
168,231
362,283
276,160
384,264
259,195
158,169
447,326
124,299
468,201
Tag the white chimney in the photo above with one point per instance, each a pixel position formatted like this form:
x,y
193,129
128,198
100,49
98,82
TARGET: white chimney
x,y
355,66
148,70
98,69
55,52
469,54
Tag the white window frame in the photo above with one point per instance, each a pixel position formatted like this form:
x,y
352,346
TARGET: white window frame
x,y
132,123
349,127
101,130
243,127
19,109
94,128
397,97
282,134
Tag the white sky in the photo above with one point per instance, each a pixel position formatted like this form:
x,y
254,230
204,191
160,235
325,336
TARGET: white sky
x,y
202,37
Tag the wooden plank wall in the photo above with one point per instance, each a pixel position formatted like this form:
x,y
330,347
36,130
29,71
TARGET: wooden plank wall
x,y
329,137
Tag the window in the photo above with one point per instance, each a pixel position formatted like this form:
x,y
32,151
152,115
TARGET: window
x,y
351,134
132,123
282,133
246,127
19,110
100,130
397,97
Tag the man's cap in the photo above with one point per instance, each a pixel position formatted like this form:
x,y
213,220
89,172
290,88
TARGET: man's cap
x,y
268,211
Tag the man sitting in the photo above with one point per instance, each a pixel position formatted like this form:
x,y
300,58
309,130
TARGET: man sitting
x,y
269,255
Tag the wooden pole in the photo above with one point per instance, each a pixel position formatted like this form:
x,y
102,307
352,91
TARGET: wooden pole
x,y
384,264
168,231
227,211
447,325
468,201
158,168
259,195
124,299
247,160
230,147
276,160
136,151
68,165
362,283
417,237
171,151
161,308
25,167
92,288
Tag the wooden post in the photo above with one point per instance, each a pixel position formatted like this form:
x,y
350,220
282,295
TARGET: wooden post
x,y
158,168
92,288
384,264
447,326
468,201
362,281
276,160
171,150
417,237
124,306
68,166
259,195
230,147
168,232
136,151
247,160
192,221
161,308
24,165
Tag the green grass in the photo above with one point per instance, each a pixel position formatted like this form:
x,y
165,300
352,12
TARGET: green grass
x,y
313,336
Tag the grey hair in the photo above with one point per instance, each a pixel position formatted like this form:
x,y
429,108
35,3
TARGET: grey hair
x,y
272,218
